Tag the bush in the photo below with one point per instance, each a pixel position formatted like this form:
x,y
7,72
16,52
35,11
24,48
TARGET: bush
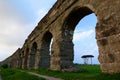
x,y
4,66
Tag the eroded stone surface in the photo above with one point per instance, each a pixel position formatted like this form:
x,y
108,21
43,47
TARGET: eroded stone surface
x,y
59,25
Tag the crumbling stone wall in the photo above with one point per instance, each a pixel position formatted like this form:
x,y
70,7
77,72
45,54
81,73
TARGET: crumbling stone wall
x,y
13,60
59,24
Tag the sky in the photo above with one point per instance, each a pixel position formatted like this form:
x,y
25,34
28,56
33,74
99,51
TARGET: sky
x,y
84,39
19,17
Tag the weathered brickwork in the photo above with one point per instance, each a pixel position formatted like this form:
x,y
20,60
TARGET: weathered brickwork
x,y
59,24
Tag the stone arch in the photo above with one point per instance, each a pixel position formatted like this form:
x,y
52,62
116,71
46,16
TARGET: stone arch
x,y
62,19
32,55
20,60
26,57
68,27
23,58
75,16
45,50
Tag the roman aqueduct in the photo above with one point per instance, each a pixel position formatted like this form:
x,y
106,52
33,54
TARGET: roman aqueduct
x,y
59,24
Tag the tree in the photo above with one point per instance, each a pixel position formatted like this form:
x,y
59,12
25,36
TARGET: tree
x,y
86,58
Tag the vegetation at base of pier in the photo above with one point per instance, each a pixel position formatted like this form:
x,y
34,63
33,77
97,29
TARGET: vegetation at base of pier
x,y
13,74
92,72
4,66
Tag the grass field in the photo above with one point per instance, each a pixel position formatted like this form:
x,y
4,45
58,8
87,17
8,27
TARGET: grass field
x,y
12,74
90,73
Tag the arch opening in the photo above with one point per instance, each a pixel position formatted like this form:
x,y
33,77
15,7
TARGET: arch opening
x,y
23,58
68,29
26,58
75,16
32,55
45,52
20,60
84,40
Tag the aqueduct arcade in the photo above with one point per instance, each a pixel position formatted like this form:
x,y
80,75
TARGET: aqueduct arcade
x,y
58,26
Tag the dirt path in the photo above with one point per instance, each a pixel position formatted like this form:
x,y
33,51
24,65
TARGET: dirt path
x,y
43,76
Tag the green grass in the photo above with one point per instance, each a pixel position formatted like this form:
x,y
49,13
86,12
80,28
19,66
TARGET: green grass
x,y
90,73
12,74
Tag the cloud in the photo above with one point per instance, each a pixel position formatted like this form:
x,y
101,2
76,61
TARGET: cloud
x,y
13,30
85,44
42,3
82,35
41,13
78,52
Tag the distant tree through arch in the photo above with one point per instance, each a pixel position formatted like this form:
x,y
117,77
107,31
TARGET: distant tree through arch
x,y
86,58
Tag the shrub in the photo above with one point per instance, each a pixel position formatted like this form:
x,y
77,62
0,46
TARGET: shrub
x,y
4,66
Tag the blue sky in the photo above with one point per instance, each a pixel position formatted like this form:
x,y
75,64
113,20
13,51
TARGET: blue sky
x,y
19,17
84,39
